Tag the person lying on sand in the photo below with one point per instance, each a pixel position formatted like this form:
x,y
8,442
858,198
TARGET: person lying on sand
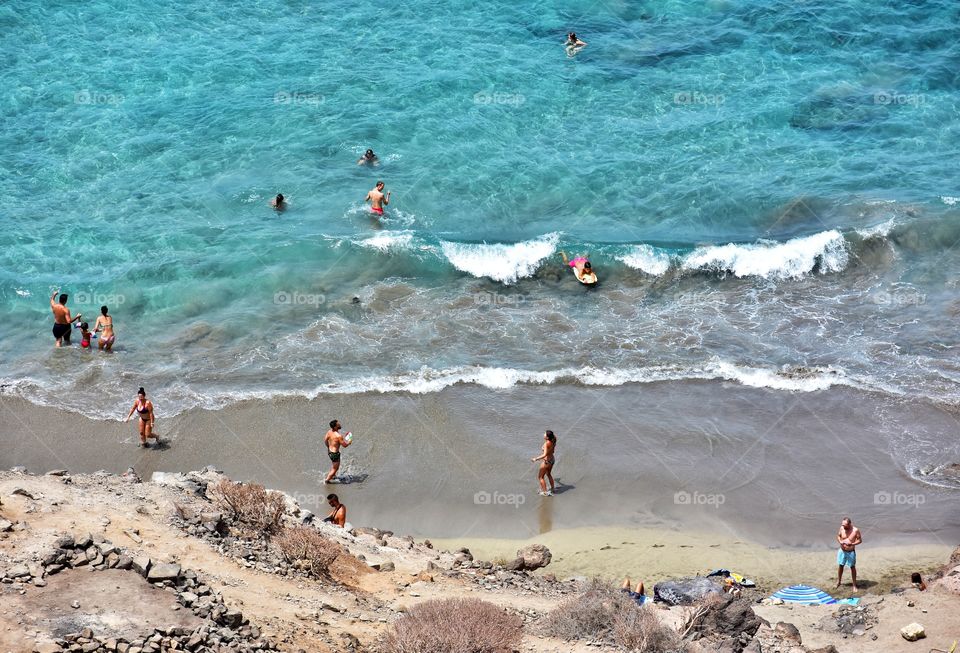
x,y
637,595
848,537
338,516
582,269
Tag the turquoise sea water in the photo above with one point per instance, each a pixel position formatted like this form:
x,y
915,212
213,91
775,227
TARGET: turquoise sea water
x,y
766,189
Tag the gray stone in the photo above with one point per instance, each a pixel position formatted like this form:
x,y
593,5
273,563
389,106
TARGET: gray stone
x,y
124,562
141,564
18,571
535,556
913,632
65,542
57,472
163,571
5,526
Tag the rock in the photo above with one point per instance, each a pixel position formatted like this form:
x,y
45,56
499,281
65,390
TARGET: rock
x,y
46,646
84,542
684,591
19,491
535,556
5,526
18,571
515,565
65,542
387,566
57,472
912,632
830,648
164,571
141,565
124,562
75,605
788,631
133,536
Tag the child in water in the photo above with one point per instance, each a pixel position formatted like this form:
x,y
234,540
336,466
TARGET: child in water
x,y
85,335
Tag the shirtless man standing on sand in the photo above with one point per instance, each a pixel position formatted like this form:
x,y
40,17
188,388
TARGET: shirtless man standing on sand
x,y
334,441
848,537
377,199
62,322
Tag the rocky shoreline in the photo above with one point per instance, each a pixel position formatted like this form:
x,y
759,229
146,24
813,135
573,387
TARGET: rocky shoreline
x,y
110,544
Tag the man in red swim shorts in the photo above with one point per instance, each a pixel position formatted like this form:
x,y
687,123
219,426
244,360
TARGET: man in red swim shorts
x,y
377,199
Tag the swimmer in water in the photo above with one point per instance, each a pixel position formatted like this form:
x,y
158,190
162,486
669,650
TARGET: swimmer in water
x,y
368,159
573,44
278,202
377,199
582,269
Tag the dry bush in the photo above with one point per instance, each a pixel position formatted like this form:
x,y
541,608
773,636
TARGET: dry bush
x,y
589,615
640,630
250,504
454,626
695,615
307,547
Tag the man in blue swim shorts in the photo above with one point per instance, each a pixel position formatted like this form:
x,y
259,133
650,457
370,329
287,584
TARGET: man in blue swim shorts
x,y
848,537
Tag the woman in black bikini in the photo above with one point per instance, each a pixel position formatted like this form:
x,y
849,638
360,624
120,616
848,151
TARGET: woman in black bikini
x,y
144,407
546,467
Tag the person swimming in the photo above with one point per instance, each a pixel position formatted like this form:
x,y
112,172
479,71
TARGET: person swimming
x,y
278,202
582,269
368,159
573,44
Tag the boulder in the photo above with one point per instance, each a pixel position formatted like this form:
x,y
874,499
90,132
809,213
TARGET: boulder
x,y
535,556
65,542
912,632
18,571
788,631
684,591
141,565
5,526
387,566
57,472
163,571
515,565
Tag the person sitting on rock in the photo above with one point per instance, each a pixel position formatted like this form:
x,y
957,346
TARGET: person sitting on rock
x,y
637,594
339,515
917,581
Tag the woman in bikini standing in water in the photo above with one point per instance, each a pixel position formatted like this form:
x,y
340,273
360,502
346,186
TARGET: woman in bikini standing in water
x,y
105,324
546,467
144,407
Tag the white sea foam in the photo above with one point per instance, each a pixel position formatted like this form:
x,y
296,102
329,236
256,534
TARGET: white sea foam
x,y
771,260
949,201
647,259
881,230
505,263
181,397
387,240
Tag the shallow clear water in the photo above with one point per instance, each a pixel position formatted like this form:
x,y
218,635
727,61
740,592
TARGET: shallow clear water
x,y
767,192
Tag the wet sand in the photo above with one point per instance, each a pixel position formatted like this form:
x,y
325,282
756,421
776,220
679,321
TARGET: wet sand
x,y
778,469
652,555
